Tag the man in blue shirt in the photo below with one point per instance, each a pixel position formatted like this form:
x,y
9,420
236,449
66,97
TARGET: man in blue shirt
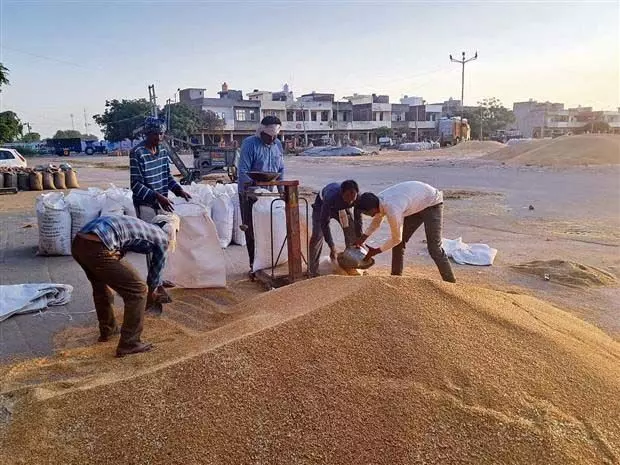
x,y
333,201
99,248
261,152
150,176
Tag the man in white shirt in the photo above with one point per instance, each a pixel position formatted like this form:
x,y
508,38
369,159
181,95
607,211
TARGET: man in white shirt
x,y
407,206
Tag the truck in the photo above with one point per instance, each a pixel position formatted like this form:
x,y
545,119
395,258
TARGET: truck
x,y
65,146
451,131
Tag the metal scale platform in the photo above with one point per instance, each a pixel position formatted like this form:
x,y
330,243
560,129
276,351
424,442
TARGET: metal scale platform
x,y
289,193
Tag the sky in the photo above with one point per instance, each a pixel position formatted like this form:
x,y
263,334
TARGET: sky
x,y
67,57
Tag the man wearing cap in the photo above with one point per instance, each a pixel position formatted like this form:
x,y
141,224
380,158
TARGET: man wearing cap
x,y
261,152
99,249
406,206
150,176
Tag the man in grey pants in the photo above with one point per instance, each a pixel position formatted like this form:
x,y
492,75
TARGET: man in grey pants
x,y
407,206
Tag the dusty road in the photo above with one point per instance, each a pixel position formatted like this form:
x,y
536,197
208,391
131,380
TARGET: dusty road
x,y
576,217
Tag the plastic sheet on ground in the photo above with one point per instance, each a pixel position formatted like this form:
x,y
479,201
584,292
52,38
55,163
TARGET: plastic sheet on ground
x,y
469,254
418,146
26,298
333,151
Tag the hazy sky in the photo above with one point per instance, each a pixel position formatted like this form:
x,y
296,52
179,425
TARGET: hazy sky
x,y
67,56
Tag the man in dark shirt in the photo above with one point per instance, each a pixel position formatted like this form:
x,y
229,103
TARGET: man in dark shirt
x,y
333,201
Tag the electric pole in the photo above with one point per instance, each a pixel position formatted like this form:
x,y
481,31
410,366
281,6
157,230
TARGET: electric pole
x,y
29,127
153,100
72,122
86,122
168,105
462,61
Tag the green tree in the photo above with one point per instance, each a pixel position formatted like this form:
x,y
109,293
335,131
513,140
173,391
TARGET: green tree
x,y
383,131
4,76
31,137
595,127
122,118
491,114
186,120
67,134
10,127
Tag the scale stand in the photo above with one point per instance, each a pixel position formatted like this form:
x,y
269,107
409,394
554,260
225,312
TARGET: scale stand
x,y
290,195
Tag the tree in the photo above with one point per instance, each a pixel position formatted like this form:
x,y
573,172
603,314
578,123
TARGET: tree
x,y
383,131
122,118
491,114
595,127
10,127
67,134
31,137
186,120
4,76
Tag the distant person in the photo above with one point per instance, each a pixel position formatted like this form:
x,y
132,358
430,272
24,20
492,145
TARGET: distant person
x,y
99,249
333,201
407,206
150,176
261,152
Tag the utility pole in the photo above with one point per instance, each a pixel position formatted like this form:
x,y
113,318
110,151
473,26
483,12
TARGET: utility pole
x,y
86,122
28,126
481,120
153,100
462,61
168,105
72,122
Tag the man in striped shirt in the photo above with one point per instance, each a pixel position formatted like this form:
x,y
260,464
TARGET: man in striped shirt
x,y
99,248
150,176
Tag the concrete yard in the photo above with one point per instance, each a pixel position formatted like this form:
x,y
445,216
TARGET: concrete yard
x,y
575,218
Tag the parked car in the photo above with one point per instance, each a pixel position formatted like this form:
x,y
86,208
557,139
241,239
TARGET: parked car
x,y
11,158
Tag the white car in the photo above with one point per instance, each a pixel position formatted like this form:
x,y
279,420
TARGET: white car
x,y
11,158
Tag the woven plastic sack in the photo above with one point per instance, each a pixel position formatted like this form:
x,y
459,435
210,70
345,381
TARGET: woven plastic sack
x,y
84,207
54,221
48,181
36,181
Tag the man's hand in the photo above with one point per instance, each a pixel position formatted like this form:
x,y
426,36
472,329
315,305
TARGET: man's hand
x,y
165,203
332,253
184,195
372,251
360,242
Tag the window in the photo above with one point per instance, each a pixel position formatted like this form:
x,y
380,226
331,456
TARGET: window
x,y
325,115
290,116
6,155
380,116
252,115
300,115
344,116
240,115
335,116
313,116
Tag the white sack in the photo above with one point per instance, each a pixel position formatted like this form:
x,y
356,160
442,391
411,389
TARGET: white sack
x,y
469,254
26,298
262,222
238,236
223,216
54,221
84,207
204,194
198,261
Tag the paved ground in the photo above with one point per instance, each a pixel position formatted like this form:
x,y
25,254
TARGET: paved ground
x,y
575,217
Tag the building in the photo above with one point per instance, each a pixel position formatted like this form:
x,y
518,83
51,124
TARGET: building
x,y
546,119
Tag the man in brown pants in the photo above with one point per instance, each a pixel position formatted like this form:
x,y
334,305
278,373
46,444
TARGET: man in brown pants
x,y
407,206
99,248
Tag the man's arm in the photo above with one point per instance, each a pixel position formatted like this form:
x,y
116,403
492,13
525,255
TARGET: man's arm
x,y
159,255
325,219
245,163
136,181
396,231
357,222
374,224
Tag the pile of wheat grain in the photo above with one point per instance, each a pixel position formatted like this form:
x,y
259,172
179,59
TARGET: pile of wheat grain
x,y
339,370
590,149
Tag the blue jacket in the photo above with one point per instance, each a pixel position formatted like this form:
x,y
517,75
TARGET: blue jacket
x,y
256,156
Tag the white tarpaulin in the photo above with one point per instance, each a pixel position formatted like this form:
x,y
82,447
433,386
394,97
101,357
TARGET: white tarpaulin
x,y
198,261
26,298
469,254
